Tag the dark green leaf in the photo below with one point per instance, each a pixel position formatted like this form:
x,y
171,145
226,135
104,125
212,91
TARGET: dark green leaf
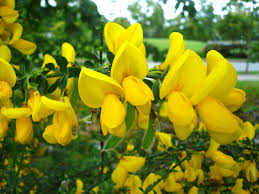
x,y
43,86
50,66
112,142
73,71
63,82
89,64
155,89
149,135
53,87
62,62
129,116
92,56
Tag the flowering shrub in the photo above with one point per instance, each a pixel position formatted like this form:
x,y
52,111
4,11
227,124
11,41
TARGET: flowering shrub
x,y
113,125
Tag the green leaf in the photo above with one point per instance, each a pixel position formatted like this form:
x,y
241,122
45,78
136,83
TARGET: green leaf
x,y
63,82
50,66
89,64
62,62
149,135
112,142
155,90
43,86
73,71
129,116
53,87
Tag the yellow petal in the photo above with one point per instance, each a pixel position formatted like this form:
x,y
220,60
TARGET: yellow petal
x,y
223,160
68,52
15,113
133,182
221,79
142,48
3,126
49,134
196,161
49,59
143,120
5,90
145,109
5,53
119,175
8,3
164,139
9,15
222,125
163,110
16,30
132,163
54,104
251,171
248,131
24,46
186,75
7,73
212,148
113,112
190,174
193,190
71,113
79,186
181,114
171,185
93,86
176,49
112,32
24,130
136,91
39,110
149,180
129,60
234,99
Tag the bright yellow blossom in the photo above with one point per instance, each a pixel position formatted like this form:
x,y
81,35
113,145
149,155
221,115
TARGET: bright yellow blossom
x,y
133,182
151,179
251,171
7,11
238,187
171,185
193,190
79,186
248,131
164,139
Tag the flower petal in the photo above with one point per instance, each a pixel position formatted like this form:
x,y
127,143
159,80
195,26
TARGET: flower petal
x,y
176,49
234,99
54,104
119,175
9,15
24,130
136,91
248,131
112,32
129,60
5,53
24,46
7,73
119,131
132,163
5,90
49,59
181,114
142,48
186,75
68,52
16,30
113,112
221,79
49,134
222,125
94,86
15,113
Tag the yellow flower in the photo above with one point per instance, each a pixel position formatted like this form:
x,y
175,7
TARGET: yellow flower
x,y
184,78
60,131
222,125
130,147
7,73
79,186
171,185
164,139
163,110
115,35
176,49
127,164
151,179
98,90
193,190
202,127
133,182
248,131
67,51
178,174
238,187
234,99
3,126
251,171
5,53
7,12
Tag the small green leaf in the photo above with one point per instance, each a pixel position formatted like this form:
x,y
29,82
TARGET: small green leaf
x,y
129,116
43,86
155,90
50,66
149,135
63,82
112,142
73,72
53,87
62,62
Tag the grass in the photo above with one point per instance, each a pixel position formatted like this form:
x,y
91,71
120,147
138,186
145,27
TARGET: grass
x,y
250,87
248,73
163,43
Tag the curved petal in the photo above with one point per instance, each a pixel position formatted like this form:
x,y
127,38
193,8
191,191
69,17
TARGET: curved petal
x,y
16,30
223,160
24,46
164,139
132,163
119,175
24,130
54,104
8,14
143,120
221,79
129,60
133,182
15,113
112,32
176,49
186,75
171,185
113,112
5,91
163,110
5,53
49,59
222,125
248,131
181,114
119,131
71,113
150,179
3,126
68,52
137,92
7,73
93,86
49,134
8,3
234,99
142,48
